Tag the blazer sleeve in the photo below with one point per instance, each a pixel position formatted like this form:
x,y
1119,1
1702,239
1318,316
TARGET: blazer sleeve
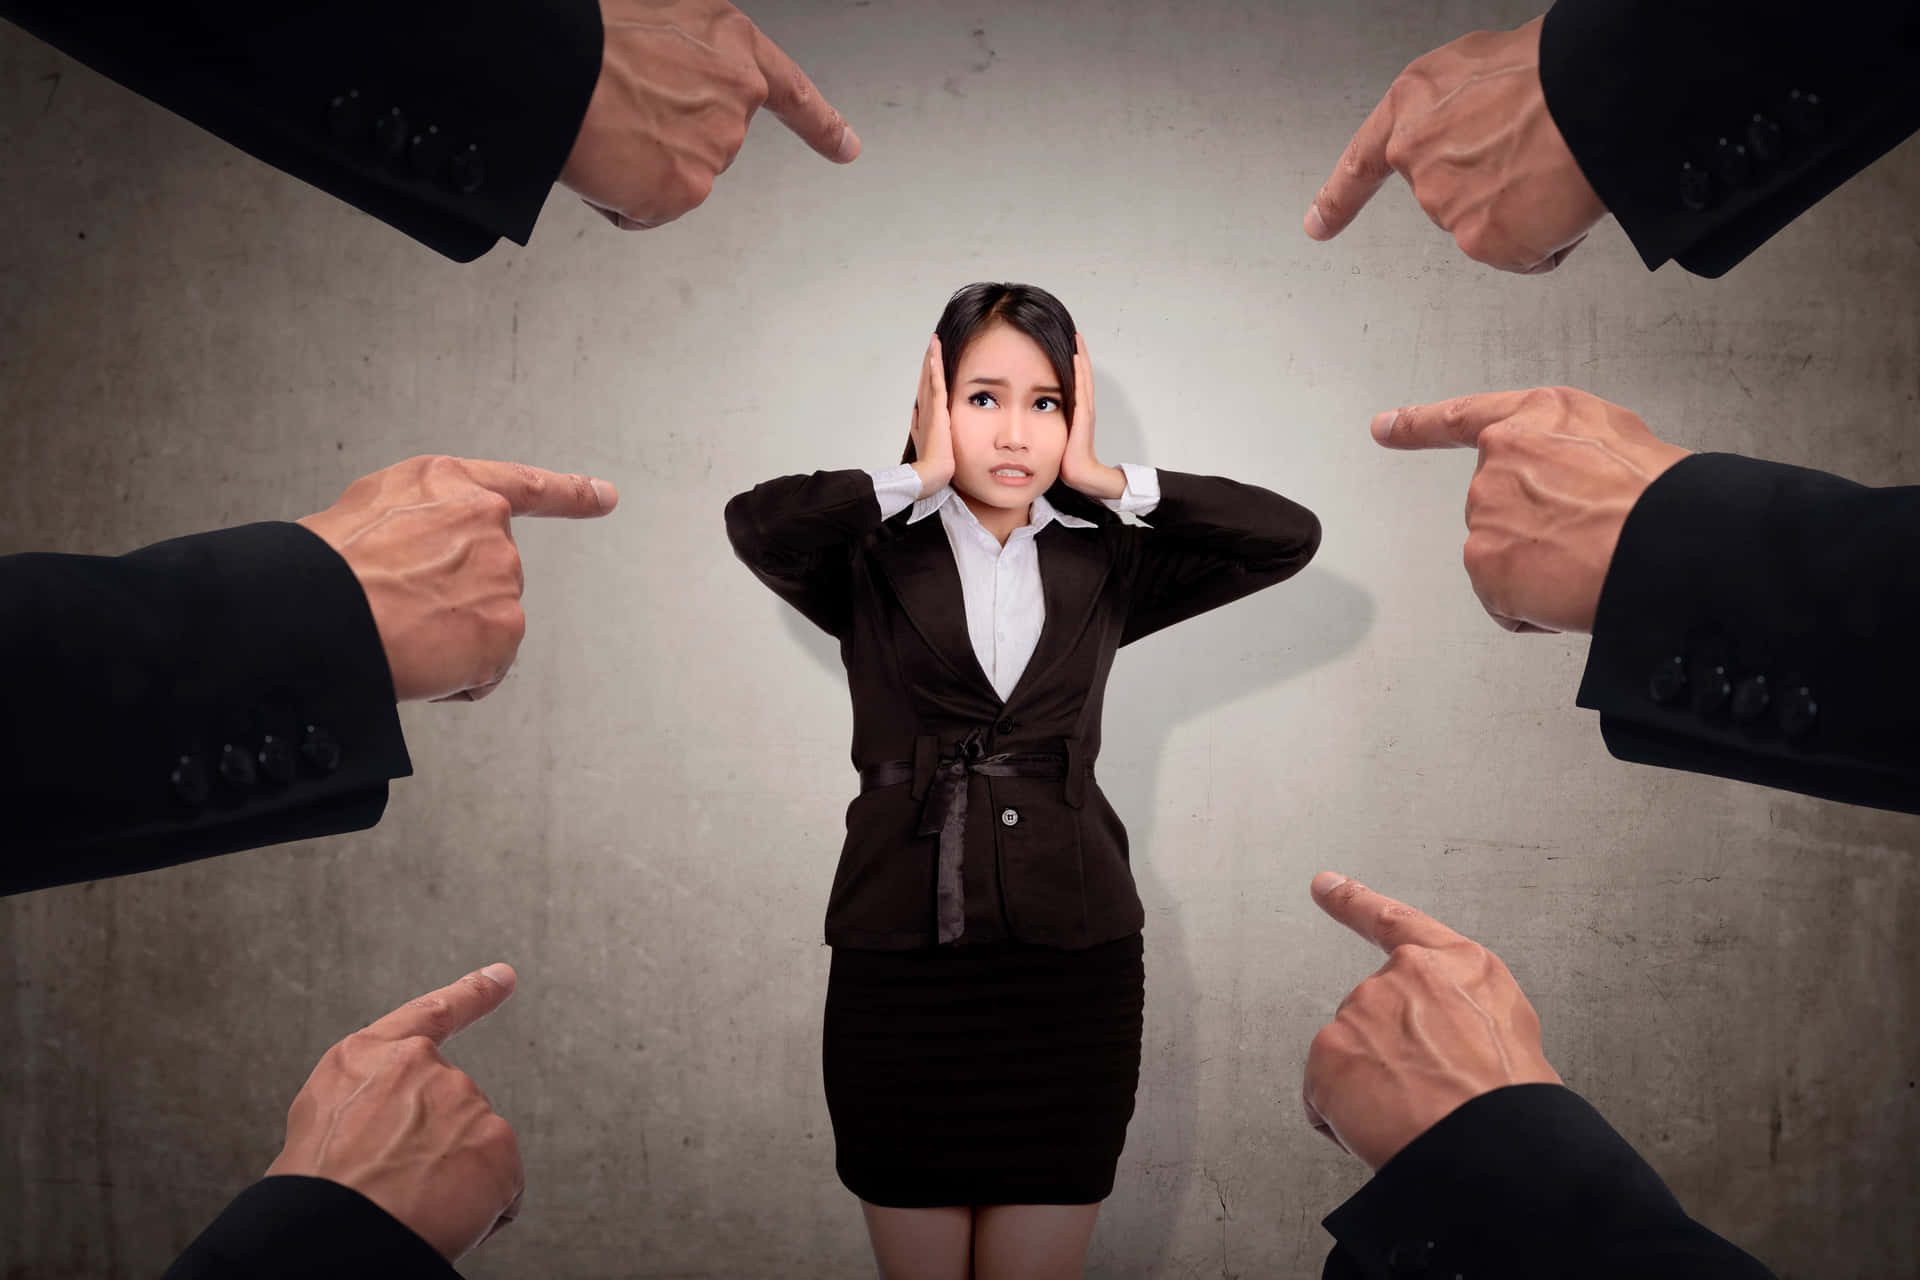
x,y
1523,1182
1707,125
448,120
195,697
290,1228
1757,622
796,534
1212,541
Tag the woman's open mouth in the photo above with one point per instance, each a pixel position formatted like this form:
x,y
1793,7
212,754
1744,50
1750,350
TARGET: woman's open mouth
x,y
1011,475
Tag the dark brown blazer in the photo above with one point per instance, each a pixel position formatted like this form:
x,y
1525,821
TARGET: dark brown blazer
x,y
1057,873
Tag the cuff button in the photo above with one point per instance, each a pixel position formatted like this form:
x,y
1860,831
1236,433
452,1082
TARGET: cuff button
x,y
1798,711
390,134
189,781
236,767
465,170
1669,681
277,760
320,749
1751,699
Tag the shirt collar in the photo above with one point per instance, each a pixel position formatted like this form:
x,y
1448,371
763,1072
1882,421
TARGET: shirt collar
x,y
1043,513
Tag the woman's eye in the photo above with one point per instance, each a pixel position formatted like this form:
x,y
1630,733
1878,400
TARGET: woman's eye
x,y
1046,404
982,400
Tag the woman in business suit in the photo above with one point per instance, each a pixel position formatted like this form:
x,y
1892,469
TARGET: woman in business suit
x,y
983,1016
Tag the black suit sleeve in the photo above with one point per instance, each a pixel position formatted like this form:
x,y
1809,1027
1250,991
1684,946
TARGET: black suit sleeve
x,y
198,696
1523,1182
1805,97
797,532
1758,622
1211,542
288,1228
448,120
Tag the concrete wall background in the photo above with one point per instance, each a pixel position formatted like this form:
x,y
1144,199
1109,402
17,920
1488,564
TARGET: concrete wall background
x,y
644,819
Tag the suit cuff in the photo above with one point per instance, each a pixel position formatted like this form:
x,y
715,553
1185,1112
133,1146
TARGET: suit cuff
x,y
294,1228
1142,493
895,489
1753,625
1505,1175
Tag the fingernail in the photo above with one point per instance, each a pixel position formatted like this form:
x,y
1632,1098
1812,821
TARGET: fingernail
x,y
1326,882
849,146
1315,224
608,495
1382,425
501,974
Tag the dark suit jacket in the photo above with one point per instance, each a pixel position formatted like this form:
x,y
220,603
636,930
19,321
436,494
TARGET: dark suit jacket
x,y
194,697
285,1228
449,120
891,594
1759,622
1524,1183
1708,125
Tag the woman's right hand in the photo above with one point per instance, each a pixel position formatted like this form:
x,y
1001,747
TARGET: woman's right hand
x,y
932,425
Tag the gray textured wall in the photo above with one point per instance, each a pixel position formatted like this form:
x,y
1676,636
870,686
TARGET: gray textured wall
x,y
644,819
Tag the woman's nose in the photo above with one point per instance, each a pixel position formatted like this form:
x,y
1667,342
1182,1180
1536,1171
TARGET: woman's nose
x,y
1013,431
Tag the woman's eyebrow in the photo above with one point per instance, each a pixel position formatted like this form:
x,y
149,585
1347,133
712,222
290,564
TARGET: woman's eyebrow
x,y
1002,382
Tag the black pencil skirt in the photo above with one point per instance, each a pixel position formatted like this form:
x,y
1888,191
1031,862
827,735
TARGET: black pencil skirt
x,y
976,1075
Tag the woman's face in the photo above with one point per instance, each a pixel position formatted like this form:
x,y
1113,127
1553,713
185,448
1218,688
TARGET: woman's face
x,y
1009,424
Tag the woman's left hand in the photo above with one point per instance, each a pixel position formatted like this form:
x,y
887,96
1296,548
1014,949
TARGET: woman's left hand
x,y
1079,469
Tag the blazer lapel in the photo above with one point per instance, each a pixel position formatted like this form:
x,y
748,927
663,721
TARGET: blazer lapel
x,y
918,564
1074,564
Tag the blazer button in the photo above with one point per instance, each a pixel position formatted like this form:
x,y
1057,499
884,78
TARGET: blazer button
x,y
1669,681
1005,726
1009,817
189,779
1798,711
277,760
1750,699
465,171
427,153
390,134
1696,187
1713,692
320,749
347,115
236,767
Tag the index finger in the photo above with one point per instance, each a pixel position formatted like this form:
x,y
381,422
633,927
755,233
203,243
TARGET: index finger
x,y
793,97
1362,169
1377,918
532,491
1447,424
440,1015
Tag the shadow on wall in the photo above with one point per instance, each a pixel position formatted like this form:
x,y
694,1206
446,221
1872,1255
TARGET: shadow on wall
x,y
1258,643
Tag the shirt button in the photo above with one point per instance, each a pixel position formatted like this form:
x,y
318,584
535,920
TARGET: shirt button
x,y
1005,725
1009,817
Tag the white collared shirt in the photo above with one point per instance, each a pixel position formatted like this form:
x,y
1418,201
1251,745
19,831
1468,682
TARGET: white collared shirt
x,y
1001,584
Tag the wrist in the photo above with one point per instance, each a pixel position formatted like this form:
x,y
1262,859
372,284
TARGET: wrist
x,y
933,476
1097,480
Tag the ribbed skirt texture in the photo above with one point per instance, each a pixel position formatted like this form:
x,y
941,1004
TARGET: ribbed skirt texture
x,y
976,1075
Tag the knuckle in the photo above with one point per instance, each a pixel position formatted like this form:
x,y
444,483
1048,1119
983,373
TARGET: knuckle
x,y
415,1050
1497,437
437,1013
1477,243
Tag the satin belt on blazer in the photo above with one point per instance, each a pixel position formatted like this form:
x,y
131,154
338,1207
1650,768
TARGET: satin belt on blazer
x,y
940,782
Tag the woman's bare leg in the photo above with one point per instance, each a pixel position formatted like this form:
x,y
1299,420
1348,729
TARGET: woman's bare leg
x,y
921,1244
1032,1241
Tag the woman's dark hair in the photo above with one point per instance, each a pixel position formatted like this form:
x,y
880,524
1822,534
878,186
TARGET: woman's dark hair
x,y
1033,311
